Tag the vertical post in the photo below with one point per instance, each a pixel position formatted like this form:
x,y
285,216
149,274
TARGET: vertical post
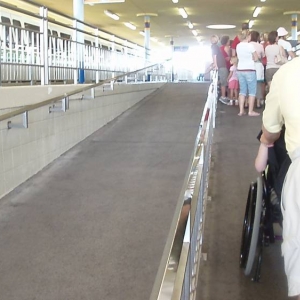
x,y
78,13
74,52
97,54
147,37
172,53
44,46
294,27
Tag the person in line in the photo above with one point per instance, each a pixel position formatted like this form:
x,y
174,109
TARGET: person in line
x,y
271,51
282,33
283,108
264,41
236,40
246,72
233,82
219,63
259,67
225,49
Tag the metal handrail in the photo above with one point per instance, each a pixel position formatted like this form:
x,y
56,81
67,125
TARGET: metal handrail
x,y
189,217
30,107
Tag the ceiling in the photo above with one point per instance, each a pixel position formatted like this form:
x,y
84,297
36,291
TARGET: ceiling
x,y
169,23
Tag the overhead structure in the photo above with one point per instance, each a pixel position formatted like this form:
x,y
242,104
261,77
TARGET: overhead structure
x,y
294,27
147,34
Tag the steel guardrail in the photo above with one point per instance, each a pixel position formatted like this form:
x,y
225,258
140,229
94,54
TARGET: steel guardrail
x,y
52,100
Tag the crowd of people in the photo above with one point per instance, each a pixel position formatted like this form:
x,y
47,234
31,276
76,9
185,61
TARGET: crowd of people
x,y
246,66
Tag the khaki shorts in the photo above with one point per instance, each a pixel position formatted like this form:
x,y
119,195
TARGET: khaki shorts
x,y
223,75
270,73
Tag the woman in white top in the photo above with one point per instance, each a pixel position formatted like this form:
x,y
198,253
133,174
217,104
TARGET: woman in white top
x,y
260,77
282,33
272,50
246,73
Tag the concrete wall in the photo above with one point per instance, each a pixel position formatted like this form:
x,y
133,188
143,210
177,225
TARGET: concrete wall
x,y
24,152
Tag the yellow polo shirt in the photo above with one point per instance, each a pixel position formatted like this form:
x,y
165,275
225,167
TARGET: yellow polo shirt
x,y
283,104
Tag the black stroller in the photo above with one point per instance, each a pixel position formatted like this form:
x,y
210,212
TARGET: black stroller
x,y
263,209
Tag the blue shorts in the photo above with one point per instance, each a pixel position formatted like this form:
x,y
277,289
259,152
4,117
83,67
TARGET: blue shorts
x,y
247,81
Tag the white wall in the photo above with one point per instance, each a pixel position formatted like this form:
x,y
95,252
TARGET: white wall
x,y
24,152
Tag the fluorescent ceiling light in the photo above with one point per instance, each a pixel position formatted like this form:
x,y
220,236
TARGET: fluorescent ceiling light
x,y
191,26
262,0
251,23
102,1
256,11
183,12
111,15
175,1
220,26
129,25
195,33
142,33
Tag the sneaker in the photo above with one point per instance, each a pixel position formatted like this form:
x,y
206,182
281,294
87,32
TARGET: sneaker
x,y
236,102
231,102
224,100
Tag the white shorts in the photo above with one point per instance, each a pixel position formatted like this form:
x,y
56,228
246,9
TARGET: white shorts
x,y
290,206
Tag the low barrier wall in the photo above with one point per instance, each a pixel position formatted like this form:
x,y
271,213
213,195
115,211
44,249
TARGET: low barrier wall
x,y
25,151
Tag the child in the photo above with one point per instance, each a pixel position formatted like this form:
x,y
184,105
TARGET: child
x,y
233,82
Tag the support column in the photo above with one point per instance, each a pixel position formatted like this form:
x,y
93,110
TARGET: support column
x,y
172,53
78,13
294,21
294,27
147,33
147,37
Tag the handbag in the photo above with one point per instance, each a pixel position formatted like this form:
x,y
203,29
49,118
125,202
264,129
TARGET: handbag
x,y
260,76
280,59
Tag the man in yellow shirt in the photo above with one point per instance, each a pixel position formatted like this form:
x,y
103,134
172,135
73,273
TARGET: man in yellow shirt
x,y
283,106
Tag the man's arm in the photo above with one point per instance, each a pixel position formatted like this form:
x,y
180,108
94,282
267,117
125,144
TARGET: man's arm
x,y
268,138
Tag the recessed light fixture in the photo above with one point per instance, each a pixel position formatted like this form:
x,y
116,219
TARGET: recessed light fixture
x,y
194,32
102,1
112,15
262,0
251,23
190,24
175,1
256,11
183,12
129,25
220,26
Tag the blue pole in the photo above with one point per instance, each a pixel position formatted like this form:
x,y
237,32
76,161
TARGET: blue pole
x,y
78,13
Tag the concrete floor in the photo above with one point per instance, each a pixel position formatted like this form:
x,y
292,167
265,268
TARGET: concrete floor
x,y
234,151
93,224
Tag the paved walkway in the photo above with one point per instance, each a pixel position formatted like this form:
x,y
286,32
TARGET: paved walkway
x,y
234,150
93,224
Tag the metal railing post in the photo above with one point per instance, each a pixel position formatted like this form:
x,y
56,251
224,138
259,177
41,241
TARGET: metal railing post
x,y
44,46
